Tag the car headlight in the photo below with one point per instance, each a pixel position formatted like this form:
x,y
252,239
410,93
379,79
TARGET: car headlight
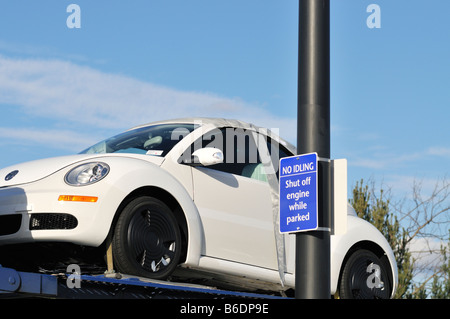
x,y
86,174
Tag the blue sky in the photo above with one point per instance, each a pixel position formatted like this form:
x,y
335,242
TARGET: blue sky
x,y
133,62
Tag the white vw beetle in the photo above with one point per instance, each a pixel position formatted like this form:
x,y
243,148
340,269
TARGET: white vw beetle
x,y
191,195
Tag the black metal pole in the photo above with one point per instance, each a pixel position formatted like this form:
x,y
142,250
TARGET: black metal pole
x,y
313,135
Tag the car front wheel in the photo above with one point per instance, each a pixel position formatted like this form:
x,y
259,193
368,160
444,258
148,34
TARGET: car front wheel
x,y
364,277
147,239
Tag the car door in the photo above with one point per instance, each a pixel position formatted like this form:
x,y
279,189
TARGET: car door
x,y
234,202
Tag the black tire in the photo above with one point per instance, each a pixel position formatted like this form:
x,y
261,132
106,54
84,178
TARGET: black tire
x,y
147,239
364,277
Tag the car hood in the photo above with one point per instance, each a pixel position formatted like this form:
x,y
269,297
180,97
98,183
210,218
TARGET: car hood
x,y
35,170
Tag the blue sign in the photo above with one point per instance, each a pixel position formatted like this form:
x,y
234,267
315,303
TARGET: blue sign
x,y
298,193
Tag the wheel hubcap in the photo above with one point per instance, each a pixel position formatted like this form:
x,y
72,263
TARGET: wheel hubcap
x,y
366,280
151,240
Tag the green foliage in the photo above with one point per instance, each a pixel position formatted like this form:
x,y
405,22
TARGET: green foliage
x,y
440,288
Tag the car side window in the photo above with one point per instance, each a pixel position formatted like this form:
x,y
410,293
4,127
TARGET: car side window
x,y
239,149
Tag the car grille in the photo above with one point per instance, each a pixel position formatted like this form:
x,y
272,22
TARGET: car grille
x,y
10,224
43,221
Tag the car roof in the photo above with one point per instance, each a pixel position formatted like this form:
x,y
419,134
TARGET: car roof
x,y
222,122
219,122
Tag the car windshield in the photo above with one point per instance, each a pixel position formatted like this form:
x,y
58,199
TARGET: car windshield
x,y
155,140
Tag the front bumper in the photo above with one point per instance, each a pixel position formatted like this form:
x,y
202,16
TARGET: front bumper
x,y
33,212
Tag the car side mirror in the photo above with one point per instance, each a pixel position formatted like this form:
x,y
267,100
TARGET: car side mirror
x,y
206,156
